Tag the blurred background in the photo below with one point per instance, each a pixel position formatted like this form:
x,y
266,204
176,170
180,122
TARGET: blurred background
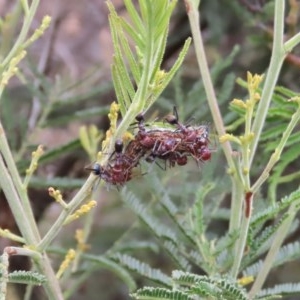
x,y
66,83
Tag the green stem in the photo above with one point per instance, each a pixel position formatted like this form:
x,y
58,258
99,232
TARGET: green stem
x,y
143,86
88,224
289,178
23,33
194,20
79,198
240,245
236,202
277,153
140,97
277,58
43,264
292,43
52,287
14,202
17,183
276,244
246,144
8,33
236,205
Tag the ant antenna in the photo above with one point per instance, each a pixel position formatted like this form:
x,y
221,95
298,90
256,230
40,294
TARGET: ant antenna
x,y
175,113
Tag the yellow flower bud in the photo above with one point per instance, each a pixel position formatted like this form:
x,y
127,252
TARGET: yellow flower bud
x,y
65,264
239,103
229,137
84,209
245,280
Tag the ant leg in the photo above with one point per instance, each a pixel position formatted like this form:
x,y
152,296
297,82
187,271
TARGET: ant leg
x,y
151,158
188,123
163,168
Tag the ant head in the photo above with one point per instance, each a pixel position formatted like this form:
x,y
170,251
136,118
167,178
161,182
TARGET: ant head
x,y
97,169
140,117
119,146
172,119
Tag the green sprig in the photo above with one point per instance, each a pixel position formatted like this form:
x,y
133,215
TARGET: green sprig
x,y
140,63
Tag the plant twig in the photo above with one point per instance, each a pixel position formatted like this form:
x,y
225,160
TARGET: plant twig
x,y
276,244
194,19
79,198
26,209
277,153
277,58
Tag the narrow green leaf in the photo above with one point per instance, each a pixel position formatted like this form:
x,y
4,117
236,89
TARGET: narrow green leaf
x,y
133,64
143,269
282,290
134,246
150,293
84,114
77,99
134,16
64,183
146,10
121,94
171,73
137,38
51,155
113,267
162,15
27,277
121,75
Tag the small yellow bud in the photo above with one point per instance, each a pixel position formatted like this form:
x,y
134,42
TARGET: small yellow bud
x,y
65,264
230,171
46,21
128,136
229,137
245,280
245,171
159,77
81,245
251,136
246,139
84,209
12,68
295,99
253,81
56,194
38,153
161,74
239,103
39,31
257,97
114,109
18,58
113,117
9,235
